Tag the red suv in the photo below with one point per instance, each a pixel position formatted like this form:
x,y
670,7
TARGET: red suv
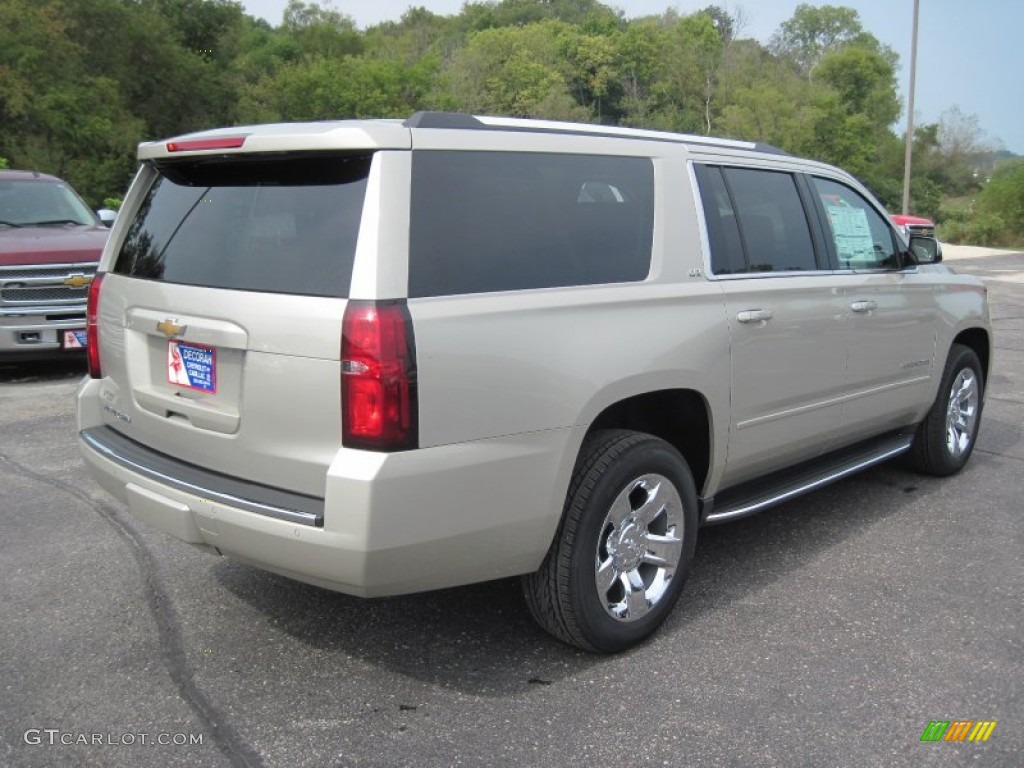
x,y
50,244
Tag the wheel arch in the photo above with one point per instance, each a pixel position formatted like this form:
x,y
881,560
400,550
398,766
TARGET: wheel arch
x,y
680,417
978,340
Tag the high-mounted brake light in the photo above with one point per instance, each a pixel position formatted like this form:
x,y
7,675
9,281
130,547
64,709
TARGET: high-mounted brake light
x,y
92,327
225,142
378,377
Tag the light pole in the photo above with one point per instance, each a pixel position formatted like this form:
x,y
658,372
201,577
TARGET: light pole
x,y
910,117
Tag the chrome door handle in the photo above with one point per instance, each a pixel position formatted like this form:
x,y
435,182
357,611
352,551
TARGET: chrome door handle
x,y
863,306
754,316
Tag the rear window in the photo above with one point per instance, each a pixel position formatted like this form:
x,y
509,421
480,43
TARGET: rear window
x,y
756,221
502,221
281,224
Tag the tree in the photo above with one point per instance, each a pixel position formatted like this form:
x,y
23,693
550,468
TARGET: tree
x,y
639,52
1003,197
865,82
207,28
814,31
415,36
518,71
961,140
58,116
319,31
339,88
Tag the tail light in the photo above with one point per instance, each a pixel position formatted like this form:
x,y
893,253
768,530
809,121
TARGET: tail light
x,y
92,327
378,377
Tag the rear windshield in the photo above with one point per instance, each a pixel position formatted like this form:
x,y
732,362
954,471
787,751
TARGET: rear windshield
x,y
282,225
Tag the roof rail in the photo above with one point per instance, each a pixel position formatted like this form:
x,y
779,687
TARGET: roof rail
x,y
443,120
462,121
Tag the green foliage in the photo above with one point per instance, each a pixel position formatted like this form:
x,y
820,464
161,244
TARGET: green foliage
x,y
334,89
993,217
519,71
113,203
83,81
977,229
321,32
1003,198
925,197
3,163
814,31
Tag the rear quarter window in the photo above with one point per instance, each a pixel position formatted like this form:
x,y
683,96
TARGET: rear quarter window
x,y
279,225
502,221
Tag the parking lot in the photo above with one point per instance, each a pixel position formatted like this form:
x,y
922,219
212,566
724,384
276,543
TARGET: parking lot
x,y
826,632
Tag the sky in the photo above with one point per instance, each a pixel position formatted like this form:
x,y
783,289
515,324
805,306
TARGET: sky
x,y
969,54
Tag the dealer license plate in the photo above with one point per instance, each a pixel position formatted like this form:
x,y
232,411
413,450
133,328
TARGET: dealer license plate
x,y
75,339
192,366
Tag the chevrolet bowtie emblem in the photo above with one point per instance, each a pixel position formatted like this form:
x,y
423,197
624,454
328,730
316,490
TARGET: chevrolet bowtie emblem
x,y
170,329
77,280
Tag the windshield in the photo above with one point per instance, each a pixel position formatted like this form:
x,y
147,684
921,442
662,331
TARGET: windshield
x,y
41,202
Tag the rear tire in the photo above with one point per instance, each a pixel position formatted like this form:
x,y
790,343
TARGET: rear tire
x,y
945,439
624,546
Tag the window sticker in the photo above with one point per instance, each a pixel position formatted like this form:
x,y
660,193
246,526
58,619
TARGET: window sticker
x,y
852,232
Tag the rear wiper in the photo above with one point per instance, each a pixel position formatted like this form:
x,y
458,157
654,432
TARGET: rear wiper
x,y
50,221
9,224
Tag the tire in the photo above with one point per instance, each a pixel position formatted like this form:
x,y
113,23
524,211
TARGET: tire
x,y
945,439
624,547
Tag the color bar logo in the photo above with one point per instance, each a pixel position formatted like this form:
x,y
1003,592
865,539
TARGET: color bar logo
x,y
958,730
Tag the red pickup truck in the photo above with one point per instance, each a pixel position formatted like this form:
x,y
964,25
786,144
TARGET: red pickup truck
x,y
50,244
914,225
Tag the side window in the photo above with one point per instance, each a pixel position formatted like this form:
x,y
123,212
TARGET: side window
x,y
772,220
862,237
723,233
503,221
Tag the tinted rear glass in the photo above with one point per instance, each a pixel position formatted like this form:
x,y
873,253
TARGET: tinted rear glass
x,y
727,255
772,220
501,221
283,225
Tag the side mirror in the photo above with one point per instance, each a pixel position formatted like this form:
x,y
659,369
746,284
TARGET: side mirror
x,y
107,217
925,250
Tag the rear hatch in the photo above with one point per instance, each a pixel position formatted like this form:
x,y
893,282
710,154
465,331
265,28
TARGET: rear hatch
x,y
220,314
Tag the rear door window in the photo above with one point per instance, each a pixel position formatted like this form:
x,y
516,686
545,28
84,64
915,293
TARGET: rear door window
x,y
502,221
280,225
727,257
772,220
756,220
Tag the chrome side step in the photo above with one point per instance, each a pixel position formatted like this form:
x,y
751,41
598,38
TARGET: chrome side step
x,y
752,497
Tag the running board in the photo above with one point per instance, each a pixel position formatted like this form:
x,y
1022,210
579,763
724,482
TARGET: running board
x,y
748,498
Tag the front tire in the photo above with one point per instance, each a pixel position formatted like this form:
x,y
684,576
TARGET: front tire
x,y
945,439
624,547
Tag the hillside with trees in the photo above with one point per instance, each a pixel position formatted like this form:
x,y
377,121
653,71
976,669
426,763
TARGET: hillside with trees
x,y
83,81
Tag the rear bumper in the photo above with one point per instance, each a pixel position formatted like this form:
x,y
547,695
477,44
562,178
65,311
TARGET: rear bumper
x,y
392,523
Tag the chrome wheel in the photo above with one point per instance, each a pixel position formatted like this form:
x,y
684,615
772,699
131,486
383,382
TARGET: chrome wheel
x,y
639,547
962,412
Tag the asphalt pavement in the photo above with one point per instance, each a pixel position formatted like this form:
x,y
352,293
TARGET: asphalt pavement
x,y
829,631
